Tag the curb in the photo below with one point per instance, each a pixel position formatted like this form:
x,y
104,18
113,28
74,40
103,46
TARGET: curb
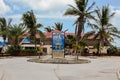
x,y
118,74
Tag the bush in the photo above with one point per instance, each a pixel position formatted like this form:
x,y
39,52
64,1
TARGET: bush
x,y
29,50
18,51
112,50
14,50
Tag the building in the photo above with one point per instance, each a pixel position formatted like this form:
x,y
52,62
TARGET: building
x,y
25,42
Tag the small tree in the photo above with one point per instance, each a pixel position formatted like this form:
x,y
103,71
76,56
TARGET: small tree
x,y
69,40
78,47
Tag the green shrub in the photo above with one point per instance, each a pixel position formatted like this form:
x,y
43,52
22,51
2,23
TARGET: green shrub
x,y
14,50
112,50
29,51
17,50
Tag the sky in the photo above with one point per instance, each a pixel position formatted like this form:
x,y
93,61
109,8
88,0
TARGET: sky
x,y
49,12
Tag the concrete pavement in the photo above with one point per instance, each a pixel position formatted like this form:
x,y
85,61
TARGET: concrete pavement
x,y
100,68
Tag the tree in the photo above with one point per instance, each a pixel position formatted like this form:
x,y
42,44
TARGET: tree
x,y
83,12
105,31
69,40
59,26
14,33
4,25
29,20
48,29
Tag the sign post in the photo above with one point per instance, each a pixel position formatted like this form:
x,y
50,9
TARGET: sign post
x,y
58,44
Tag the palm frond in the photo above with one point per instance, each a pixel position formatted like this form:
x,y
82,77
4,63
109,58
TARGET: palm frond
x,y
42,36
38,25
58,26
48,29
98,13
115,35
86,3
9,21
65,30
96,36
90,7
93,26
71,12
80,5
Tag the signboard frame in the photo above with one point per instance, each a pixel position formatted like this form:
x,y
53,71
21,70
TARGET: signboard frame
x,y
58,44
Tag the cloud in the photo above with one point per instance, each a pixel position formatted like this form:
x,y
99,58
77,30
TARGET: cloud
x,y
42,8
4,8
44,5
116,19
16,16
116,42
57,15
15,7
116,23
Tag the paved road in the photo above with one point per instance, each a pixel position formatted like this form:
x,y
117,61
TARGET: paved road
x,y
103,68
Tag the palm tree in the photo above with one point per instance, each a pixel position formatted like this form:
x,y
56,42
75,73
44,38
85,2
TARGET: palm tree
x,y
82,43
3,27
48,29
29,20
69,40
77,47
59,26
14,33
105,31
83,12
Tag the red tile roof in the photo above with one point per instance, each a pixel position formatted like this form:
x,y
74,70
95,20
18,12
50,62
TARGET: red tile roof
x,y
49,34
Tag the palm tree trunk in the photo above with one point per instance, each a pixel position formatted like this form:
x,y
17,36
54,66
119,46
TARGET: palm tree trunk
x,y
35,43
35,39
80,27
16,41
77,56
100,49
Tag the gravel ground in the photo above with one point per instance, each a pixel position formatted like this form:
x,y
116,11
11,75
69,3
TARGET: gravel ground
x,y
100,68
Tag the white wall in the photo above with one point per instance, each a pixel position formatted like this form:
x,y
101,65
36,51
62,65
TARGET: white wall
x,y
49,49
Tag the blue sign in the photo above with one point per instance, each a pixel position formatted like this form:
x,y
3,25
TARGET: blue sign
x,y
58,42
